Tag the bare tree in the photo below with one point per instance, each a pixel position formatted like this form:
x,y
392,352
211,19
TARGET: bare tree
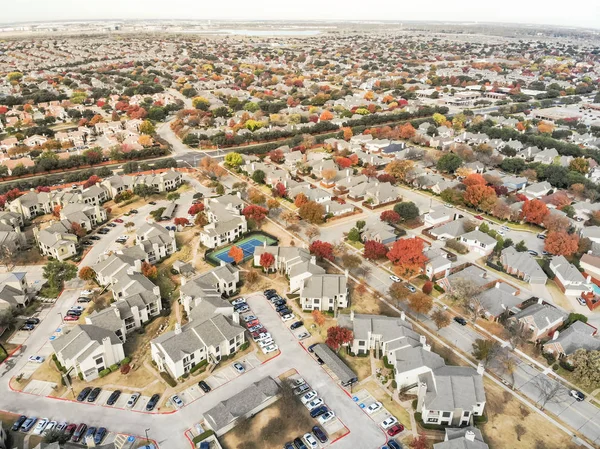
x,y
312,232
517,334
520,430
8,256
440,318
507,363
485,350
549,391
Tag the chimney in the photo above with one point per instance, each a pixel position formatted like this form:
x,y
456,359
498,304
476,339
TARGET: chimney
x,y
470,435
183,280
427,347
351,315
480,369
223,263
540,300
422,339
177,328
239,194
346,274
313,260
555,335
235,317
497,285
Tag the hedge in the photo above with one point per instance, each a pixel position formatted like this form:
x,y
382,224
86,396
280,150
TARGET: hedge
x,y
244,346
202,436
168,379
438,288
125,361
104,372
196,367
114,367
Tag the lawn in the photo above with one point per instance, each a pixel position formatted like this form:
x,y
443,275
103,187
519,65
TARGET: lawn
x,y
392,406
368,303
505,413
360,365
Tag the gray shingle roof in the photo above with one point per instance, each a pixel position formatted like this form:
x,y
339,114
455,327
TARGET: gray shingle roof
x,y
335,364
454,387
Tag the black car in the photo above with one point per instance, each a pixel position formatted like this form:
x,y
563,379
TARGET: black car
x,y
86,243
17,425
94,394
83,394
288,445
31,321
240,306
393,445
103,231
460,320
99,435
297,324
269,291
113,397
153,203
284,311
280,307
152,402
318,432
73,312
320,361
94,237
204,386
111,225
299,444
84,299
279,302
133,211
318,411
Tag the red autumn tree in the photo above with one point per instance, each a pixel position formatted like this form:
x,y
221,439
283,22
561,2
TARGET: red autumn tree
x,y
369,172
266,261
561,243
474,179
389,216
384,177
236,253
78,230
196,208
323,250
280,190
534,211
343,162
181,221
12,194
276,156
300,199
374,250
254,212
338,336
427,287
420,442
480,196
407,255
149,271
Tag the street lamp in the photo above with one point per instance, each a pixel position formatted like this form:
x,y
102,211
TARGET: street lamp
x,y
61,318
147,440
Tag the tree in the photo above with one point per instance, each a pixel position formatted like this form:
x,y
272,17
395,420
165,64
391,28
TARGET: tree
x,y
319,318
521,247
407,210
323,250
440,318
463,290
92,180
354,235
56,211
351,261
374,250
143,190
56,436
78,230
534,211
236,253
277,155
407,131
258,176
255,197
173,196
196,208
360,224
266,261
481,197
485,350
129,224
150,271
449,163
251,277
256,213
407,255
273,204
474,179
548,390
347,133
390,216
289,217
398,292
560,243
338,336
399,169
520,430
279,190
312,212
545,127
427,287
300,200
587,367
147,127
580,165
57,272
420,302
311,232
181,221
233,159
329,174
87,274
556,222
419,442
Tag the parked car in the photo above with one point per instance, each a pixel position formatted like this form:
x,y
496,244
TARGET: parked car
x,y
60,427
316,412
269,292
310,440
297,324
255,328
265,343
299,444
113,397
71,318
303,335
320,361
288,445
326,417
32,320
411,288
27,327
94,237
111,225
70,430
581,301
578,395
28,424
133,211
86,243
76,308
395,278
84,299
152,402
393,445
280,307
541,236
176,401
285,311
118,220
79,433
94,394
83,394
235,302
153,203
100,434
460,320
307,397
132,400
41,425
301,389
314,403
249,318
479,217
239,367
311,348
395,429
533,253
243,308
374,407
18,423
288,317
320,434
252,323
91,432
270,348
388,422
204,386
76,313
36,358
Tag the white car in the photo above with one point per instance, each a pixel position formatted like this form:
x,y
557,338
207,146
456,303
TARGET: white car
x,y
264,336
389,422
235,302
269,349
374,407
310,441
501,232
395,278
86,292
76,308
239,367
265,343
303,335
133,399
176,401
36,358
314,403
326,417
288,317
51,425
40,426
249,318
308,397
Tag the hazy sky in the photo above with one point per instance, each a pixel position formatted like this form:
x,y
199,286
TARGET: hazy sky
x,y
584,13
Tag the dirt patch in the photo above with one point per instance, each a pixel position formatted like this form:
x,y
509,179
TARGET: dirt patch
x,y
360,365
363,301
505,413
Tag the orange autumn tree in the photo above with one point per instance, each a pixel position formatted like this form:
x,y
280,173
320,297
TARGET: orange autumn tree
x,y
149,271
347,133
480,196
407,256
236,253
561,243
326,115
474,179
534,211
407,131
300,200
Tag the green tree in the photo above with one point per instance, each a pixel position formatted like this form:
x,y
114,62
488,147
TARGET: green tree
x,y
360,224
173,196
147,127
485,350
234,159
407,210
57,272
449,163
258,176
354,235
143,190
520,247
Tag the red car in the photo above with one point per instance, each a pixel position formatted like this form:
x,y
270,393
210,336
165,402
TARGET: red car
x,y
479,217
395,429
70,430
118,220
71,318
252,323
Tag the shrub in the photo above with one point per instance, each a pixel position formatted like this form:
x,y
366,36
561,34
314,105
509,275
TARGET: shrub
x,y
438,288
125,368
168,379
456,246
566,366
114,367
104,372
126,361
196,367
550,358
202,436
427,287
80,375
245,346
555,367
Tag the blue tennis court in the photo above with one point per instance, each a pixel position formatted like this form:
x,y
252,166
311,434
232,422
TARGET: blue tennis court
x,y
247,245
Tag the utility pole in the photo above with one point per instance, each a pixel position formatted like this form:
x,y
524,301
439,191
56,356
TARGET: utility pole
x,y
147,439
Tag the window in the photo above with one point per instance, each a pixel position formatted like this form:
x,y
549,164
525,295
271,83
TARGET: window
x,y
446,414
232,341
361,343
99,361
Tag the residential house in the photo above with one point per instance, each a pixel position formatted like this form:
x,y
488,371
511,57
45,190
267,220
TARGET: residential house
x,y
210,286
56,241
477,276
578,335
226,222
324,292
546,156
379,193
499,300
438,263
438,216
537,190
88,350
522,265
88,217
568,278
478,242
592,233
156,241
540,319
590,263
14,292
379,231
450,230
463,438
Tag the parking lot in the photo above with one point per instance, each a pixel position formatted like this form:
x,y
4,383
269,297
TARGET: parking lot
x,y
364,400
